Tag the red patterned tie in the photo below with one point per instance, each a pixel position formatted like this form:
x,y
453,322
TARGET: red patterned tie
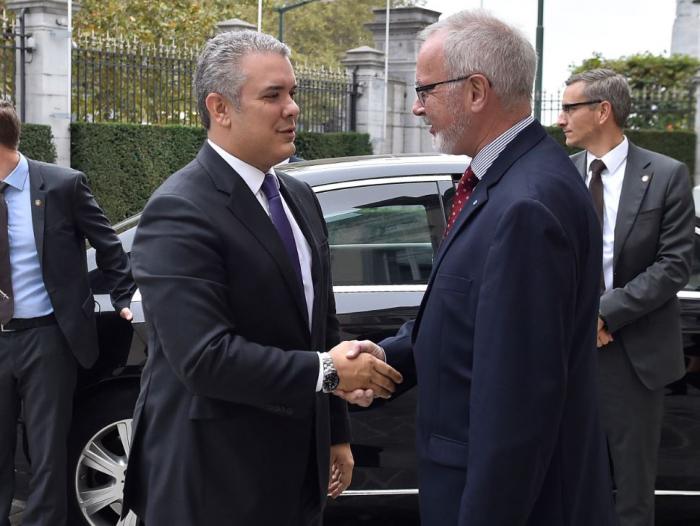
x,y
465,187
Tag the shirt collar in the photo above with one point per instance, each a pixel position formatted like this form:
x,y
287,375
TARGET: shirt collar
x,y
18,177
483,160
613,159
250,174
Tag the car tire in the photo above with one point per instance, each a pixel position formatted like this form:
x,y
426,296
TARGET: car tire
x,y
98,450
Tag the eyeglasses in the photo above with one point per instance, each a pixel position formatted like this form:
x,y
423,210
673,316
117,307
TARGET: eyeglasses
x,y
566,108
422,91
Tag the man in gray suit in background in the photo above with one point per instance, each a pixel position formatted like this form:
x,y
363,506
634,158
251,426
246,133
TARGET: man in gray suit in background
x,y
644,202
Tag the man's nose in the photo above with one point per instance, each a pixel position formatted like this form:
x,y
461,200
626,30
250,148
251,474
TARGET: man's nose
x,y
561,119
292,109
418,109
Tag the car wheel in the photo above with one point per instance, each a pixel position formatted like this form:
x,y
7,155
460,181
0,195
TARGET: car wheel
x,y
98,451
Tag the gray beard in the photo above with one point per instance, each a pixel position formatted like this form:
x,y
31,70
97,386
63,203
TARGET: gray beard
x,y
446,140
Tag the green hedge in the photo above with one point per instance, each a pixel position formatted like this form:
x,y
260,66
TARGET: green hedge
x,y
677,144
322,145
126,162
36,142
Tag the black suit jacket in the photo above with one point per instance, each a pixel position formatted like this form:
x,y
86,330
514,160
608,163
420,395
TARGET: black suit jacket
x,y
508,429
228,424
64,216
652,257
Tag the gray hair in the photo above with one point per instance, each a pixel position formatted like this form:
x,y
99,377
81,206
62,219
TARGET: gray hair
x,y
218,65
477,42
605,84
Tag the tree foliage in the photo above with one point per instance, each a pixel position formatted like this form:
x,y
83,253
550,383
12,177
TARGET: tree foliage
x,y
663,93
318,33
646,70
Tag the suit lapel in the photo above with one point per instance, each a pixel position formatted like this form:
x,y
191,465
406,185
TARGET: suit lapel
x,y
638,176
247,209
38,203
579,161
521,144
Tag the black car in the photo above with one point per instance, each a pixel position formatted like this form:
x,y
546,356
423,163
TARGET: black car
x,y
385,216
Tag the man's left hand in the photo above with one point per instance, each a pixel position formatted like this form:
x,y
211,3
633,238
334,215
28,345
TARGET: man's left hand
x,y
126,314
603,336
341,469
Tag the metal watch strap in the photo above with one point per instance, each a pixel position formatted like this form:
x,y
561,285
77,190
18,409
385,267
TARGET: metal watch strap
x,y
330,375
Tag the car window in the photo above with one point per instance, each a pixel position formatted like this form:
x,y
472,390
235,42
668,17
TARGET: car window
x,y
383,234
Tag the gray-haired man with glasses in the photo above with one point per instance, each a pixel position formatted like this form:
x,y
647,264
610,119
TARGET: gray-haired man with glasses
x,y
507,425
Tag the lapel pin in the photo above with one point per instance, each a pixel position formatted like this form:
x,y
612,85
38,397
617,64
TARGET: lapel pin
x,y
645,178
37,202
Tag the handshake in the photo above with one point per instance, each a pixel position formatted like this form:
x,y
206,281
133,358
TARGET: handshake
x,y
363,372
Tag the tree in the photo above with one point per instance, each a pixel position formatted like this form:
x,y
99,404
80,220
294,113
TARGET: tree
x,y
662,87
319,33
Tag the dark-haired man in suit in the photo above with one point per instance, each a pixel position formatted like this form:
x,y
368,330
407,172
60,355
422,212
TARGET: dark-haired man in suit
x,y
644,202
234,424
47,318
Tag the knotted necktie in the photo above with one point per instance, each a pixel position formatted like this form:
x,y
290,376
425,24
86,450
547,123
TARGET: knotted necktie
x,y
465,187
279,219
595,187
6,301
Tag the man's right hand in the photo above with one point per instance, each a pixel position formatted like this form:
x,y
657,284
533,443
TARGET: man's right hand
x,y
358,369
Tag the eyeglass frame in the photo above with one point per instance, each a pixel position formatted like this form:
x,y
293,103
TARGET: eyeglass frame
x,y
566,108
427,88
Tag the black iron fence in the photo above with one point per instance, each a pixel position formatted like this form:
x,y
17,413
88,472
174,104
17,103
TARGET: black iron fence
x,y
121,80
652,108
326,100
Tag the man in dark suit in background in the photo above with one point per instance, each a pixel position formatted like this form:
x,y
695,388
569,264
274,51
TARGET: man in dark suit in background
x,y
233,424
508,429
645,204
47,319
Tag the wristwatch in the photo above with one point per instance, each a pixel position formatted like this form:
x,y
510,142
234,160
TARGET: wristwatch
x,y
330,375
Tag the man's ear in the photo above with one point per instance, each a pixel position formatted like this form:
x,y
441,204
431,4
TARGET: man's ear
x,y
219,109
479,92
605,112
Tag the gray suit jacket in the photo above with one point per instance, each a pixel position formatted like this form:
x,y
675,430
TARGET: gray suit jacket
x,y
64,216
652,258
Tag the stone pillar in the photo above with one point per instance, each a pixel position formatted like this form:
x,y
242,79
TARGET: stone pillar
x,y
404,25
47,77
368,66
686,29
234,24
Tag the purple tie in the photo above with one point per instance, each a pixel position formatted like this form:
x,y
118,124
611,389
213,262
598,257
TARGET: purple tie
x,y
279,219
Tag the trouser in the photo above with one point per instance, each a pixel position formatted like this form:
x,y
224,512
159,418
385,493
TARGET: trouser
x,y
38,371
632,417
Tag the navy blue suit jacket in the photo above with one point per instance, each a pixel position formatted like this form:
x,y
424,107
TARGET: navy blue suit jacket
x,y
507,424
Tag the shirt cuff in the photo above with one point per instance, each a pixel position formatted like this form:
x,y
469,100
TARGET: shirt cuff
x,y
319,382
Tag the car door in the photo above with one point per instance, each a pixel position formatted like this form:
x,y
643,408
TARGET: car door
x,y
383,234
678,478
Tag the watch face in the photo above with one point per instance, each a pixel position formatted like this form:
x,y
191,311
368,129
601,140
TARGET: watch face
x,y
330,381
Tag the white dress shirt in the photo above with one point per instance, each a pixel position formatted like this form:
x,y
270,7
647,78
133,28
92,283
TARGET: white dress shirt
x,y
613,175
254,179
